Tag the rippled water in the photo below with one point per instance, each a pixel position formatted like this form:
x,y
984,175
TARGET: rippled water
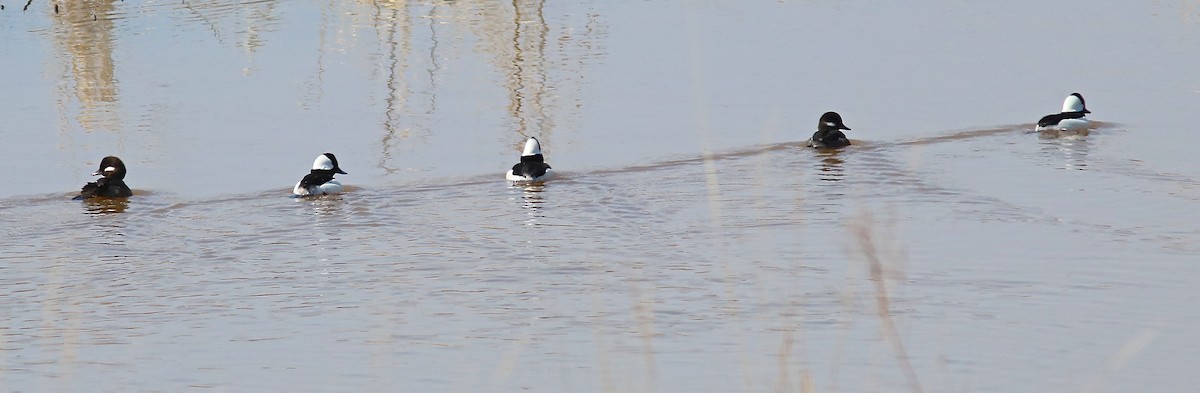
x,y
691,244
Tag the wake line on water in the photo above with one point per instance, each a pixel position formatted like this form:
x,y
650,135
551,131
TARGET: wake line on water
x,y
856,145
568,176
565,176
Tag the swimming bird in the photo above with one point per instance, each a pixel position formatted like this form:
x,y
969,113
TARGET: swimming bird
x,y
111,185
829,134
532,167
1070,121
319,181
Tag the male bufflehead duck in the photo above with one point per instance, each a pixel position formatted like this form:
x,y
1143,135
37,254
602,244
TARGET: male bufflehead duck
x,y
112,185
319,181
829,134
532,167
1070,120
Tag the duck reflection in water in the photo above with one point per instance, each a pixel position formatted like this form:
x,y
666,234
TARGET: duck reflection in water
x,y
114,227
327,206
830,168
105,205
532,200
1073,152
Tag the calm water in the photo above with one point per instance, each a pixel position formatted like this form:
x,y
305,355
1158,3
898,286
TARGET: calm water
x,y
691,243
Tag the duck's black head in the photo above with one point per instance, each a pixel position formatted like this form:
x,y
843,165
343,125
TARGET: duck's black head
x,y
111,167
831,121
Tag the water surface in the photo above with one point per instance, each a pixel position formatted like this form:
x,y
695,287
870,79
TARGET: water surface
x,y
691,244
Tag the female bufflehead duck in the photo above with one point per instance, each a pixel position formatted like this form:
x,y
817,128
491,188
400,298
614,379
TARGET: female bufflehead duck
x,y
532,167
319,181
1070,120
112,185
829,134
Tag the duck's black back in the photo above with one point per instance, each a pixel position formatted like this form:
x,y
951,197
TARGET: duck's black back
x,y
317,177
106,188
830,139
531,166
1054,119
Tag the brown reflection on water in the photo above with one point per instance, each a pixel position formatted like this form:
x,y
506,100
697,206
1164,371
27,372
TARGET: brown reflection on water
x,y
105,205
241,24
541,64
544,68
525,65
85,35
85,42
396,26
